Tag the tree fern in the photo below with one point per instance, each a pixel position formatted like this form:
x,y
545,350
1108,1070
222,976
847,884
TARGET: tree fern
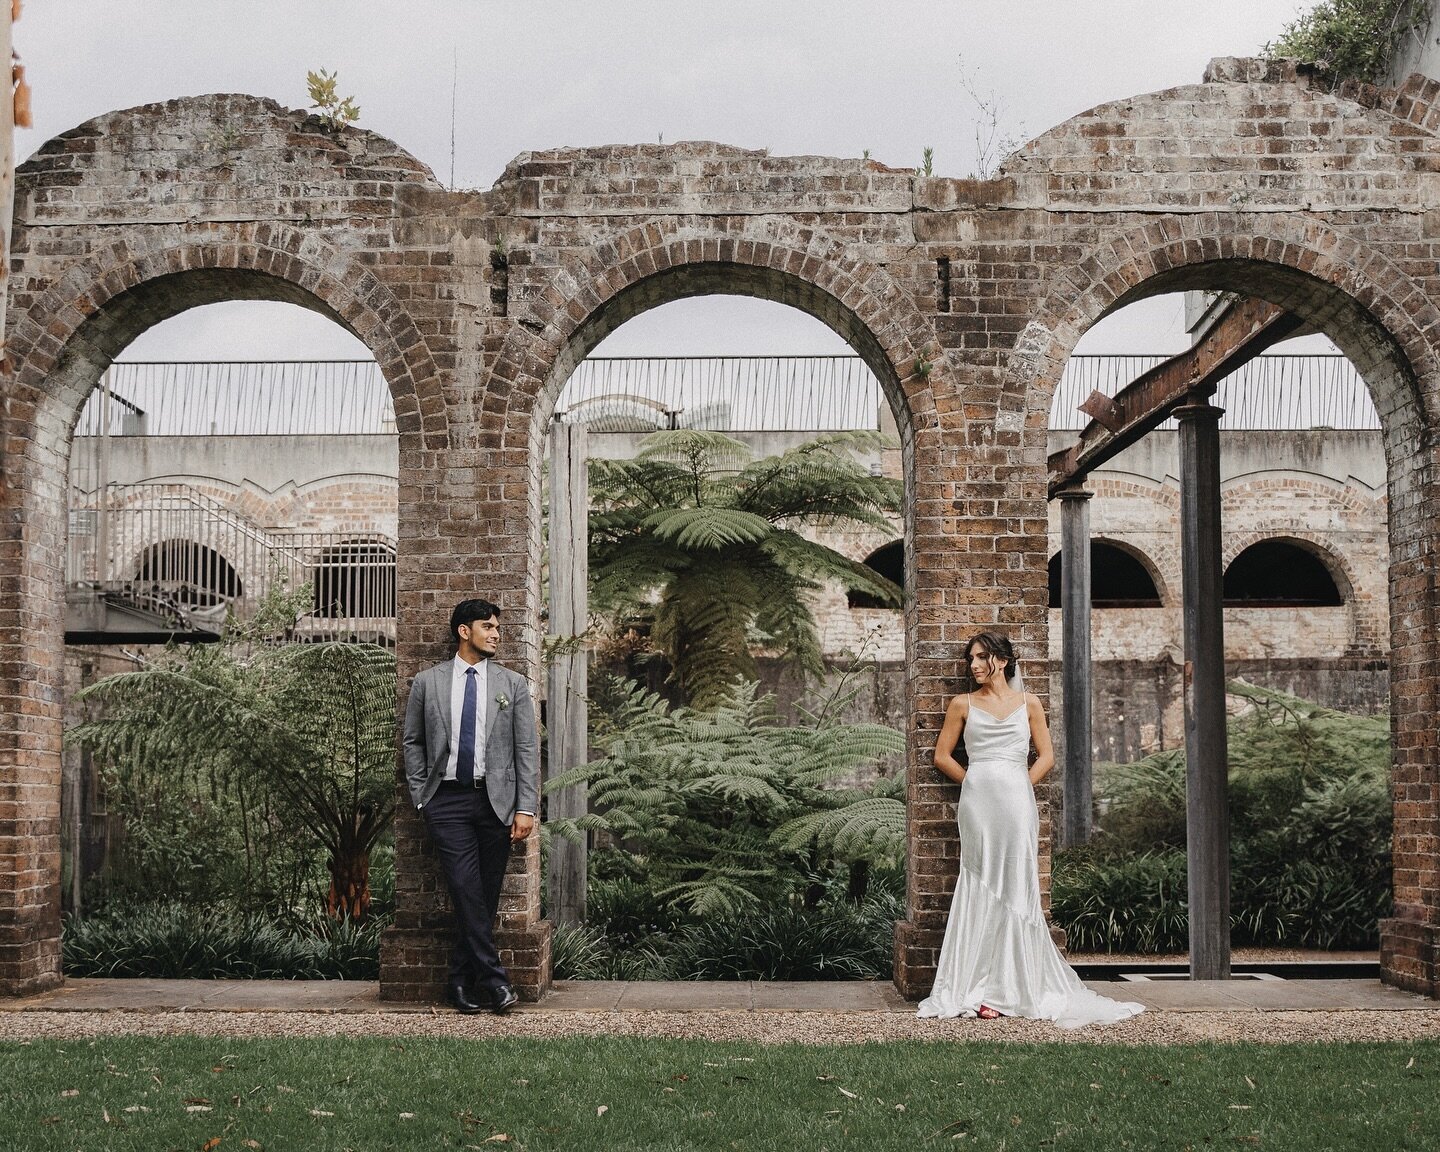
x,y
702,544
307,727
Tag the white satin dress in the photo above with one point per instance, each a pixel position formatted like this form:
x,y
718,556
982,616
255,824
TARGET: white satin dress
x,y
997,948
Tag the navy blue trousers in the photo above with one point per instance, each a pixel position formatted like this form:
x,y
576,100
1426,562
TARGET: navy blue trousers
x,y
473,846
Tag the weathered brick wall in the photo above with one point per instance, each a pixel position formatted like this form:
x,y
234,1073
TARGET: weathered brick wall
x,y
1250,182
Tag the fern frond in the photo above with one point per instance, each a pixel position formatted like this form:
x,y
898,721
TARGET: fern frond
x,y
708,528
869,829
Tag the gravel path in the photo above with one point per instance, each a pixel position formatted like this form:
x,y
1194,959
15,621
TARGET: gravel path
x,y
733,1026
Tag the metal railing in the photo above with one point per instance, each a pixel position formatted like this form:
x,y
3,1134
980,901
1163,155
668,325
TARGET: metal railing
x,y
172,550
638,394
240,398
724,393
1284,392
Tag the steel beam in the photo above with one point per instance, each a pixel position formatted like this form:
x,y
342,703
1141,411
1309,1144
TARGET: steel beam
x,y
1117,422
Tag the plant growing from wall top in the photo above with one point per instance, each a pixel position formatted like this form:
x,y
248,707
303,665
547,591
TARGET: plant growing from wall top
x,y
700,543
335,110
1352,39
309,728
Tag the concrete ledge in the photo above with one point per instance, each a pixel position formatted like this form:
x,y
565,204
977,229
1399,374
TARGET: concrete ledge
x,y
287,996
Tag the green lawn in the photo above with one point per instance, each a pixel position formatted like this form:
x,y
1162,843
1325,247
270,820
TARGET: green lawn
x,y
605,1093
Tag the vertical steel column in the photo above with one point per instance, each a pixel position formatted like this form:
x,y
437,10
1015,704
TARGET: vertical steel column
x,y
1075,662
1207,804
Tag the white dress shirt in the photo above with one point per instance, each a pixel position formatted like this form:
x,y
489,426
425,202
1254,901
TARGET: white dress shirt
x,y
457,705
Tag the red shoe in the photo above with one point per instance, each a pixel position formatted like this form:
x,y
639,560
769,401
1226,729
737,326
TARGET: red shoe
x,y
987,1013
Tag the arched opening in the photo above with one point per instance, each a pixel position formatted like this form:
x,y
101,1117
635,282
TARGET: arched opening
x,y
889,561
226,439
1280,574
1118,578
728,350
188,572
1368,403
355,580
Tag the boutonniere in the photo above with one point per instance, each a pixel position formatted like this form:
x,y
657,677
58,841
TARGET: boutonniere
x,y
502,701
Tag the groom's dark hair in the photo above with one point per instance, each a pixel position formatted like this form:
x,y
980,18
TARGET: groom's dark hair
x,y
468,611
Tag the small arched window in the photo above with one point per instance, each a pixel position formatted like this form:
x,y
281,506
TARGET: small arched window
x,y
889,562
1280,574
192,573
355,580
1117,579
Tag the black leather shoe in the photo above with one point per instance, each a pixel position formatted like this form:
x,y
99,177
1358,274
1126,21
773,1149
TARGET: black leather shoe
x,y
503,999
461,1001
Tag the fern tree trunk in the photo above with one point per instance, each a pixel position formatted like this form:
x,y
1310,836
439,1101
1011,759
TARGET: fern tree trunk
x,y
349,884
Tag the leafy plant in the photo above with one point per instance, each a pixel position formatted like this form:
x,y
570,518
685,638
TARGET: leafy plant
x,y
702,804
176,941
1352,39
700,544
1133,905
786,941
336,111
303,730
1310,837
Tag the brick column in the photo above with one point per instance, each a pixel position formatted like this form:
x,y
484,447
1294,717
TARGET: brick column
x,y
460,535
31,687
1410,938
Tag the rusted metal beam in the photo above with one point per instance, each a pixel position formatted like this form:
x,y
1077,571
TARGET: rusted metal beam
x,y
1245,331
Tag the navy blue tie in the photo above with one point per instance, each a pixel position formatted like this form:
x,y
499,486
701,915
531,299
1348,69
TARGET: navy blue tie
x,y
465,761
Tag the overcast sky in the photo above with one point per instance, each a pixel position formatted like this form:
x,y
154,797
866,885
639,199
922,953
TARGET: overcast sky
x,y
795,76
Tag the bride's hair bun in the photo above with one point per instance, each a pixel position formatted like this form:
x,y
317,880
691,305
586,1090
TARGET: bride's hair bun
x,y
995,645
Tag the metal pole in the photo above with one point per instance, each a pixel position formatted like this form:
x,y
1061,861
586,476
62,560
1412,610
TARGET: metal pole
x,y
1207,810
102,484
1075,663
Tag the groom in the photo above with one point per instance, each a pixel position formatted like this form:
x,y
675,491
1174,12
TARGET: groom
x,y
472,766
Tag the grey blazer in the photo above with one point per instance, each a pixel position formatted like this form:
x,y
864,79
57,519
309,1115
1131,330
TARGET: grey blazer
x,y
512,754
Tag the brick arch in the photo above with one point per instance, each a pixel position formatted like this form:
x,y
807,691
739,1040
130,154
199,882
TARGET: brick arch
x,y
1334,560
1157,574
622,275
658,263
59,346
1365,303
644,267
1365,601
1322,547
1379,317
1275,483
1152,567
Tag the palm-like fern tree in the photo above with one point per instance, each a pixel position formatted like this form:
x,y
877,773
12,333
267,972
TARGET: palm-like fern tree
x,y
313,725
701,542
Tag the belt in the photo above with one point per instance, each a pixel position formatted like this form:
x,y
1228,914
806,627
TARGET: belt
x,y
456,786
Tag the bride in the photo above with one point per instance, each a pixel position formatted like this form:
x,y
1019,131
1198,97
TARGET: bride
x,y
998,958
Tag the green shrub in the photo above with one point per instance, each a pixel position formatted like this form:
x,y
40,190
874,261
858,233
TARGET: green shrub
x,y
841,941
1126,905
712,810
831,942
1310,826
175,940
1352,39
